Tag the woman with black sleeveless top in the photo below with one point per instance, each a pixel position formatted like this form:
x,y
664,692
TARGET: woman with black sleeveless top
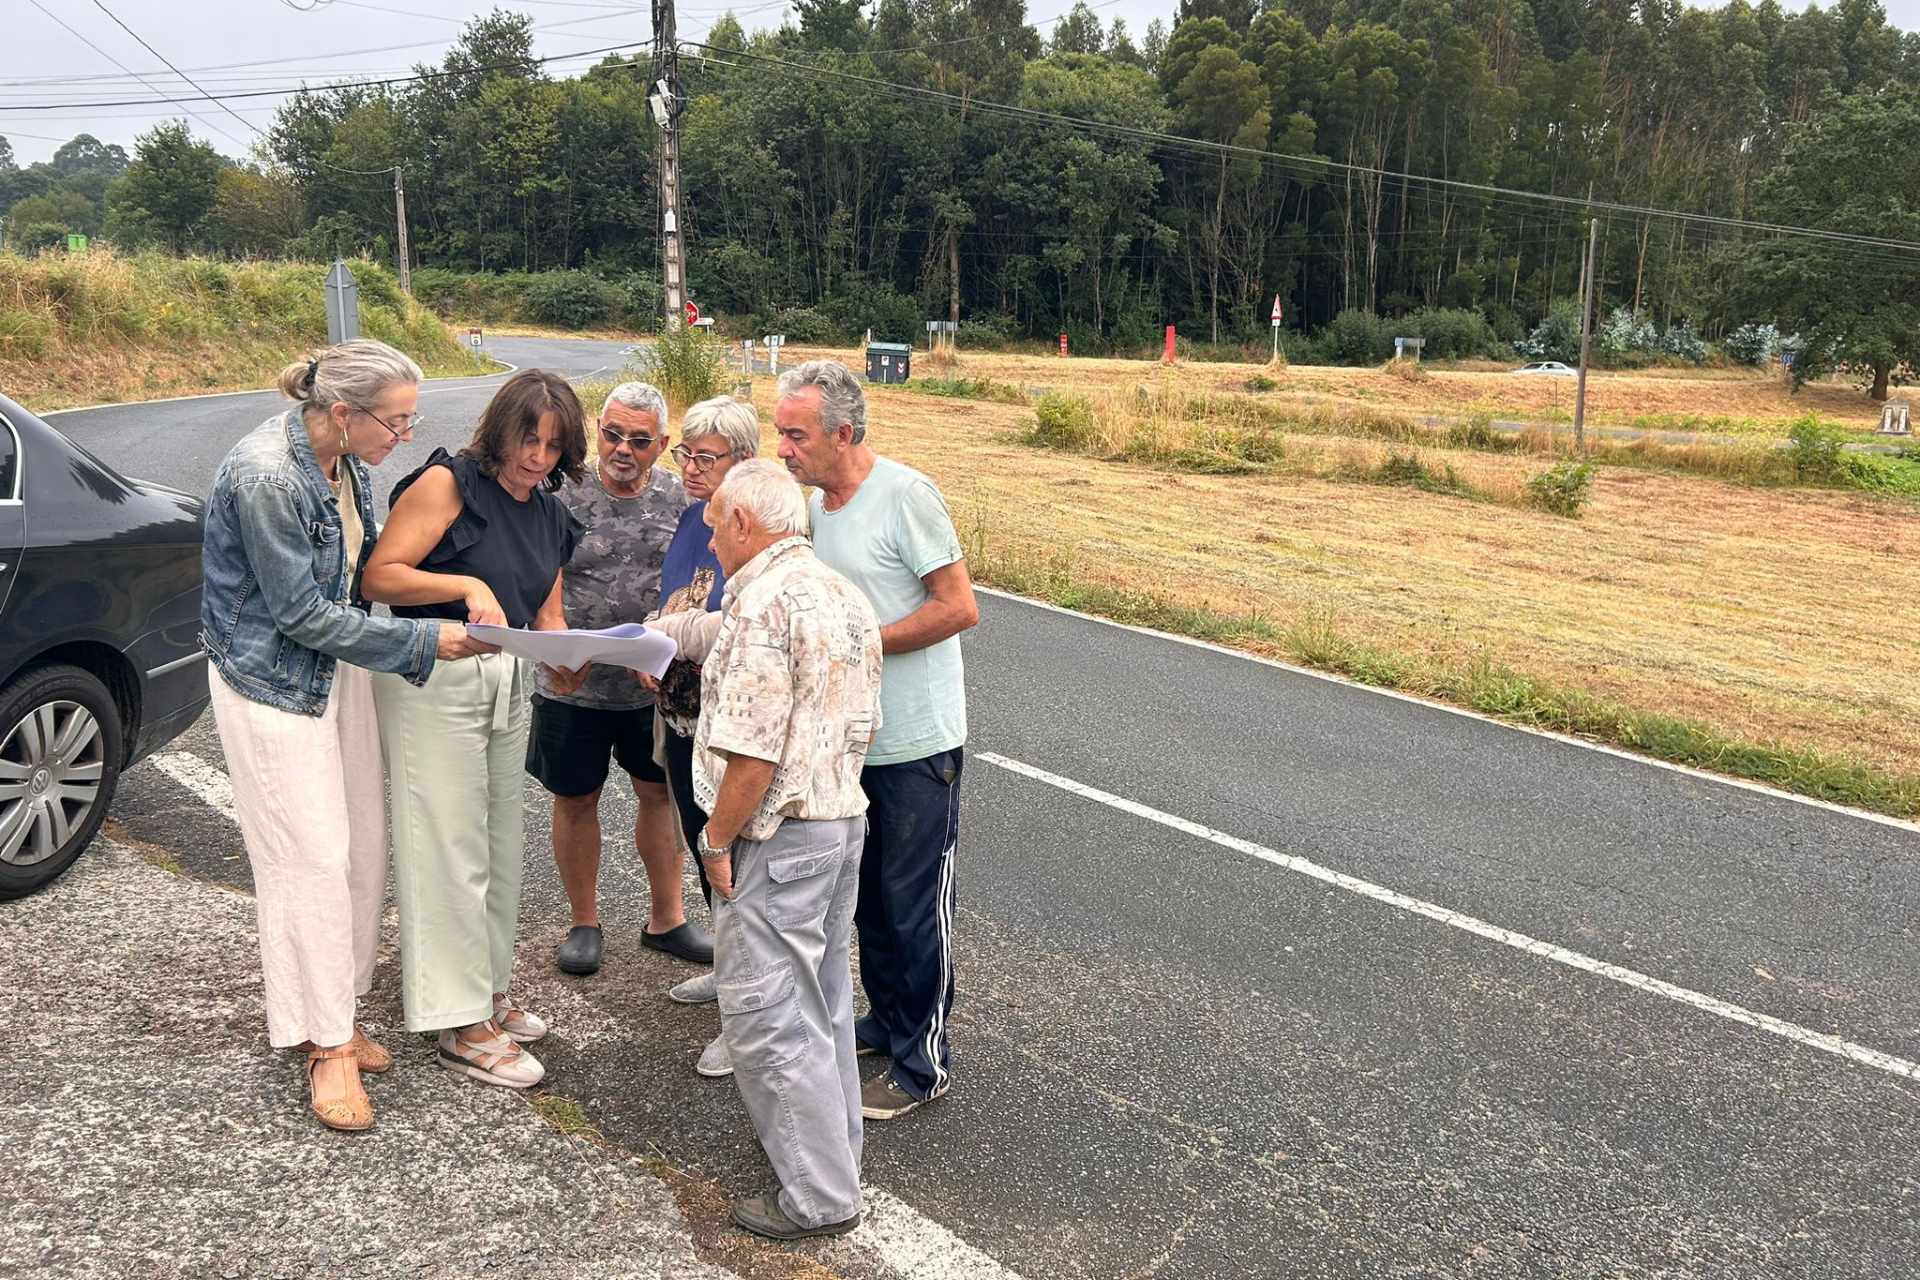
x,y
473,537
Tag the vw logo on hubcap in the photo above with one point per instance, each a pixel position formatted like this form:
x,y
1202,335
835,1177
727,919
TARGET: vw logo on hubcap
x,y
42,779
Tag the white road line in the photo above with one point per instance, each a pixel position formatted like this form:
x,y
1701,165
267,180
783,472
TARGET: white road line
x,y
1847,1049
1465,713
914,1246
207,781
892,1232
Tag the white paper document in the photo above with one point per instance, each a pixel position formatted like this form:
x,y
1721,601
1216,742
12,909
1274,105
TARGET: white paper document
x,y
629,645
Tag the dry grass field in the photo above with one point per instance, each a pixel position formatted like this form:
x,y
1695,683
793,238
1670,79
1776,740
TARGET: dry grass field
x,y
1716,401
1777,616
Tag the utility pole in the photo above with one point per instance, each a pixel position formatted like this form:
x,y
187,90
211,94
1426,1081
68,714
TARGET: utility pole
x,y
1587,291
400,217
666,100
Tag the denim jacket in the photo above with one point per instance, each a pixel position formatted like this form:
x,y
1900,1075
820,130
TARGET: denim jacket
x,y
271,616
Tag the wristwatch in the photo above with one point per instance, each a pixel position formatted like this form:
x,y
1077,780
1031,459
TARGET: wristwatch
x,y
707,851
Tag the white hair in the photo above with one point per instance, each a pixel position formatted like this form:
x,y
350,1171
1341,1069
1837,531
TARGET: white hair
x,y
762,488
641,397
723,416
842,402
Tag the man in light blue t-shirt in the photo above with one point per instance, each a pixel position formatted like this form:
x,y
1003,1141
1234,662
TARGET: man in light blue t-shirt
x,y
885,527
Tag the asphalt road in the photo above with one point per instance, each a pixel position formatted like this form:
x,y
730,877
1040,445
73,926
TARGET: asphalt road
x,y
1182,1056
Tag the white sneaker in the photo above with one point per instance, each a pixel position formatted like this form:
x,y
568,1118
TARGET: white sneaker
x,y
704,989
495,1060
520,1026
715,1061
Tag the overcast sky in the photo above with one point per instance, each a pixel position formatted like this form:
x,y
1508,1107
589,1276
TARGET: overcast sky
x,y
291,41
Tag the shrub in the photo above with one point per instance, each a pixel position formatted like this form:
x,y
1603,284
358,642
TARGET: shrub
x,y
892,316
1261,382
687,364
1815,450
1555,338
1624,334
1450,333
1562,489
1405,370
1752,344
1064,422
1682,341
803,325
571,300
1358,337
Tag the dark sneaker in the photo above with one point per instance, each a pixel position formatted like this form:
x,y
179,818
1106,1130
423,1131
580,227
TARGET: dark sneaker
x,y
580,953
883,1099
762,1216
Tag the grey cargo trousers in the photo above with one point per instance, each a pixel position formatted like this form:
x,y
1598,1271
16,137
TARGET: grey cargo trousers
x,y
781,957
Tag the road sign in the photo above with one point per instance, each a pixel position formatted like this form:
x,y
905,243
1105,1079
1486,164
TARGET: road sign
x,y
473,339
343,304
704,322
1277,311
693,314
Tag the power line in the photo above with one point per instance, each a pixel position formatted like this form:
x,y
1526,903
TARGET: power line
x,y
1318,164
136,75
384,82
177,71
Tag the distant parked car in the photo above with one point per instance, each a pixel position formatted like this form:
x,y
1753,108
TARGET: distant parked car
x,y
1551,368
100,657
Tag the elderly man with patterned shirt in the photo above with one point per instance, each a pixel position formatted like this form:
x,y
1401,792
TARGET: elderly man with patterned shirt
x,y
630,508
789,701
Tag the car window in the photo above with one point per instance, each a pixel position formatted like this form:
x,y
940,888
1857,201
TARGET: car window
x,y
9,461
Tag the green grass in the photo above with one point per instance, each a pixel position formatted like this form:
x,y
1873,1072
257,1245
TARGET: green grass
x,y
963,389
1481,685
564,1114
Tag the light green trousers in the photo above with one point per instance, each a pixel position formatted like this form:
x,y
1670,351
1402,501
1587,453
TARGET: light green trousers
x,y
456,752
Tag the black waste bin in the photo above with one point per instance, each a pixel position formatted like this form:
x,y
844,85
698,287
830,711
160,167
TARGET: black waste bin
x,y
888,361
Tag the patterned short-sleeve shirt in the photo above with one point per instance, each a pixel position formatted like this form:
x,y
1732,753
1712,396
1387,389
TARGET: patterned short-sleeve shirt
x,y
614,575
794,677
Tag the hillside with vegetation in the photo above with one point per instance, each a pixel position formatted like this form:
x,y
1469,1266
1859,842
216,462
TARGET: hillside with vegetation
x,y
103,328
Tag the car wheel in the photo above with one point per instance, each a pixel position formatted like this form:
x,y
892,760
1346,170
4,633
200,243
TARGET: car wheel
x,y
60,753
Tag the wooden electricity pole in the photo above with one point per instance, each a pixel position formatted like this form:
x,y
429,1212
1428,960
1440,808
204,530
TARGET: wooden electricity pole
x,y
1587,291
665,99
400,217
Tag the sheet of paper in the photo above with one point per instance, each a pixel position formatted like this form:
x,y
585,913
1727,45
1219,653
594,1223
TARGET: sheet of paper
x,y
629,645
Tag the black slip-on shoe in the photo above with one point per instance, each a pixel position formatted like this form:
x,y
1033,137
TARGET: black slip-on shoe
x,y
687,941
580,953
762,1216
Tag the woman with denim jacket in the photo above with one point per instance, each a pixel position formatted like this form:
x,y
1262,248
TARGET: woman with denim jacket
x,y
289,527
476,536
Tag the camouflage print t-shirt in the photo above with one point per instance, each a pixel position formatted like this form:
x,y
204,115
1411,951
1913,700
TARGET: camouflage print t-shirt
x,y
614,575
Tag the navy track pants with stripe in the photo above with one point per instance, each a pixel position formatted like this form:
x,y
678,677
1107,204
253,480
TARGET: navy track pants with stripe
x,y
905,915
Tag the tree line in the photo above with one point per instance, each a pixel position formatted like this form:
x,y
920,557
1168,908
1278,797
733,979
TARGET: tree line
x,y
861,162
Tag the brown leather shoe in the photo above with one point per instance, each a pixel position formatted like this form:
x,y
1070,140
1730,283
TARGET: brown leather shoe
x,y
374,1056
351,1114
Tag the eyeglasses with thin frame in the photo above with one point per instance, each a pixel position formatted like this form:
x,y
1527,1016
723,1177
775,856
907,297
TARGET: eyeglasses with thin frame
x,y
691,461
639,444
410,422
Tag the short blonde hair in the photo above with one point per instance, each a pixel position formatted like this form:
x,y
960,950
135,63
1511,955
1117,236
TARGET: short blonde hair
x,y
762,488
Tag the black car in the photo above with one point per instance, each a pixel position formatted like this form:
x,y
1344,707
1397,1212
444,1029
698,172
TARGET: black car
x,y
100,657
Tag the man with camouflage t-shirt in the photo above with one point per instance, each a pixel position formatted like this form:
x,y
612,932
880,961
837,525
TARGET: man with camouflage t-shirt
x,y
630,509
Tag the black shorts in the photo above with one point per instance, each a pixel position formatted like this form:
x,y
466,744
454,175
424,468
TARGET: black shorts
x,y
568,746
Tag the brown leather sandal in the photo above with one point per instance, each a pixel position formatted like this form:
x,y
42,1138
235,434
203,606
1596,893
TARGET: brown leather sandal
x,y
349,1115
374,1057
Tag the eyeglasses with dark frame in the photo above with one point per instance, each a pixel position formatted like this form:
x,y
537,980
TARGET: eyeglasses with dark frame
x,y
412,423
691,461
639,444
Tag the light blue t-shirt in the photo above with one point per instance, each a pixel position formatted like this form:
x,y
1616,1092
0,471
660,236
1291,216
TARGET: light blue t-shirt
x,y
894,532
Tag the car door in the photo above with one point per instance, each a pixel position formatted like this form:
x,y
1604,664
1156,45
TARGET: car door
x,y
13,508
